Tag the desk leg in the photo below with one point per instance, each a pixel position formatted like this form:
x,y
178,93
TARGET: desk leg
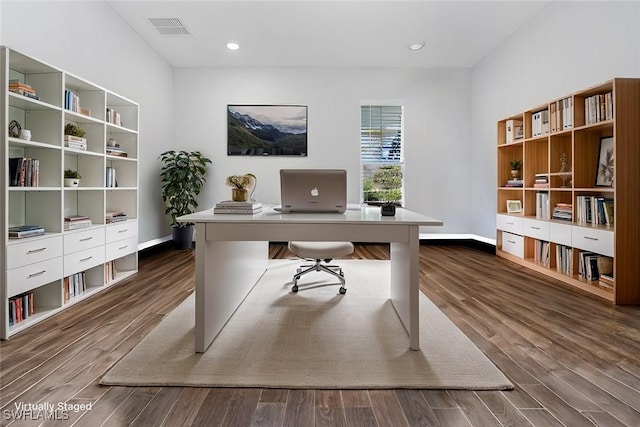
x,y
405,286
225,274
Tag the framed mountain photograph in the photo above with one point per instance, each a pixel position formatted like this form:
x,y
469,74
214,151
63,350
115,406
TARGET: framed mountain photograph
x,y
267,130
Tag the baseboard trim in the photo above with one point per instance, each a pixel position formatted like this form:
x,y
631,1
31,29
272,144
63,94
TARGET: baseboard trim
x,y
469,240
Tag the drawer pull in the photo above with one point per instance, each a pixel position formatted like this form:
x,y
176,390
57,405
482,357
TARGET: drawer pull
x,y
86,238
510,223
123,231
591,238
513,242
123,247
33,251
535,228
39,273
86,259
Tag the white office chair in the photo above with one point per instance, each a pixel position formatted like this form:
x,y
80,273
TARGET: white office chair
x,y
319,252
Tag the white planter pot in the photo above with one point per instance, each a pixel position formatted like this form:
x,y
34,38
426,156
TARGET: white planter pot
x,y
71,182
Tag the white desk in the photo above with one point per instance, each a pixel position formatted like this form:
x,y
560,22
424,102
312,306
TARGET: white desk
x,y
232,252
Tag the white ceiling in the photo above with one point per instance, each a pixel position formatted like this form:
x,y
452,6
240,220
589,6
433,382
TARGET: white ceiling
x,y
329,33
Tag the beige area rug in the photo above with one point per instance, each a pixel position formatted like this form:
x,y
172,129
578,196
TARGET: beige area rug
x,y
316,338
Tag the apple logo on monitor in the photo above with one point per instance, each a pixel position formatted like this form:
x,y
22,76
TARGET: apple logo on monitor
x,y
315,192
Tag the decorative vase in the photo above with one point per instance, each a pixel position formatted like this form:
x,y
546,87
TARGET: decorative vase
x,y
239,194
71,182
515,173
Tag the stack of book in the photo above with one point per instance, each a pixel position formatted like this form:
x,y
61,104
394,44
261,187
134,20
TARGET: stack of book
x,y
515,183
541,181
75,222
540,123
22,89
231,207
563,211
22,231
75,142
112,217
116,151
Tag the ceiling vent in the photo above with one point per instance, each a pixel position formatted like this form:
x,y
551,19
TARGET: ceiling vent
x,y
169,26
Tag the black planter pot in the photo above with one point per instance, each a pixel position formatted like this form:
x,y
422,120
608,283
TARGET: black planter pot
x,y
182,237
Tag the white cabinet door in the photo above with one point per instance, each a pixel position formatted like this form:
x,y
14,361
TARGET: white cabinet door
x,y
513,244
32,251
536,229
31,276
510,223
593,239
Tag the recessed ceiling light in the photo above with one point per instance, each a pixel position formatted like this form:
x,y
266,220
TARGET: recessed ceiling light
x,y
233,46
416,46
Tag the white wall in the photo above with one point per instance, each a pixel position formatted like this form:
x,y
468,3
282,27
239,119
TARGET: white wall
x,y
90,40
569,46
436,128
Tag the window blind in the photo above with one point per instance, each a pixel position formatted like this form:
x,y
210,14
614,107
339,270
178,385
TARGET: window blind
x,y
381,134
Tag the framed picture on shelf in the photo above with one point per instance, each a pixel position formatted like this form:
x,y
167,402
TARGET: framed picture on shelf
x,y
514,206
604,171
267,130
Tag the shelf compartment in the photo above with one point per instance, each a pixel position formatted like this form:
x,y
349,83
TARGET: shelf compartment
x,y
126,172
90,168
49,159
91,97
45,125
89,203
94,131
127,110
44,79
35,207
122,200
587,148
536,158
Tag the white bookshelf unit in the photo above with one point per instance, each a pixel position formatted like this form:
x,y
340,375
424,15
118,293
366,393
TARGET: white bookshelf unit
x,y
579,190
61,265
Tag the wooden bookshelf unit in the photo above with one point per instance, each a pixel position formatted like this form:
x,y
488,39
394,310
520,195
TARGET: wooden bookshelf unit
x,y
580,190
75,248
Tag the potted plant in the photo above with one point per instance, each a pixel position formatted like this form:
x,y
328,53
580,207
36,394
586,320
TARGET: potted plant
x,y
71,178
182,178
516,165
75,131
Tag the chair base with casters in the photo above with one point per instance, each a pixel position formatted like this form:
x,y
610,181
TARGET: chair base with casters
x,y
319,252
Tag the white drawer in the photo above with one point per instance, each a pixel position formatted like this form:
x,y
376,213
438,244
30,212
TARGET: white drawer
x,y
81,261
536,229
121,231
121,248
513,244
29,252
510,223
76,241
593,239
31,276
560,233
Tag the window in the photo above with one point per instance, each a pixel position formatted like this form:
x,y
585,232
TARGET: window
x,y
381,154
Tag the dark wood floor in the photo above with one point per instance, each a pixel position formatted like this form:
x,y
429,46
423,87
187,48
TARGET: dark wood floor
x,y
574,360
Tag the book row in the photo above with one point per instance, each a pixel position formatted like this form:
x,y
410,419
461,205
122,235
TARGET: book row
x,y
561,115
595,210
24,172
74,285
21,307
598,108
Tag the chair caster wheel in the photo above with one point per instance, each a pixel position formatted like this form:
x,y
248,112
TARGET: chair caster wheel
x,y
294,288
343,290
